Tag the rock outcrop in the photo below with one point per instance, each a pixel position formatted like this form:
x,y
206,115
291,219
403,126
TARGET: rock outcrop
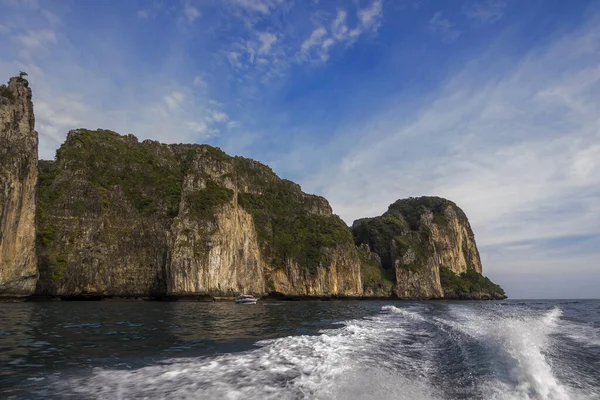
x,y
123,218
18,181
428,247
112,216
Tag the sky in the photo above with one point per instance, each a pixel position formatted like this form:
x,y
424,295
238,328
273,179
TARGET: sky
x,y
494,104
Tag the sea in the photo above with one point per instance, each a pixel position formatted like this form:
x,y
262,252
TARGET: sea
x,y
301,350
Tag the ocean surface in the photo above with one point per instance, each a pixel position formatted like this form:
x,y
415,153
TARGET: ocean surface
x,y
301,350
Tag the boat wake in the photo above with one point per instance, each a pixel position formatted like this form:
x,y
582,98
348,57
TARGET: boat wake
x,y
413,352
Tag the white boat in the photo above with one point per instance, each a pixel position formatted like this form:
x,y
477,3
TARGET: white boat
x,y
246,299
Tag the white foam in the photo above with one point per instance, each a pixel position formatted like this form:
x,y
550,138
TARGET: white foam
x,y
587,335
339,363
522,338
395,354
404,312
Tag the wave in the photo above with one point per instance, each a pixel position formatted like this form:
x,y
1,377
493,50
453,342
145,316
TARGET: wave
x,y
337,363
520,343
413,352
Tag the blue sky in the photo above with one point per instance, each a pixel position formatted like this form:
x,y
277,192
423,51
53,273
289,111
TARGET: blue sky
x,y
494,104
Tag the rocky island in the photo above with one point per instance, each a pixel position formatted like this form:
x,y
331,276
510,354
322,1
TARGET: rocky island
x,y
115,217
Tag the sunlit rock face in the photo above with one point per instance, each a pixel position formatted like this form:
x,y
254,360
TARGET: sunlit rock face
x,y
18,180
122,218
424,243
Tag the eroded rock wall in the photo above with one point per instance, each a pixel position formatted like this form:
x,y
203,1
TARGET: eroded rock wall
x,y
123,218
18,181
419,239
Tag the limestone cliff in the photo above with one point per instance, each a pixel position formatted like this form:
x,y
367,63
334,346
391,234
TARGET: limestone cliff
x,y
429,248
112,216
104,208
18,180
123,218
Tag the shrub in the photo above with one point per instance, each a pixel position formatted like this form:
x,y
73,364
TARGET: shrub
x,y
467,282
6,93
202,203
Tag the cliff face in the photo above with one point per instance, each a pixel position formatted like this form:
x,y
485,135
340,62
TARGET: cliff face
x,y
214,245
104,209
119,217
428,245
18,181
115,217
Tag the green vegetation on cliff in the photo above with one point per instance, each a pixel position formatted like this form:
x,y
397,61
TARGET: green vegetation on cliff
x,y
147,172
203,203
372,273
463,285
413,237
95,170
400,230
413,208
285,223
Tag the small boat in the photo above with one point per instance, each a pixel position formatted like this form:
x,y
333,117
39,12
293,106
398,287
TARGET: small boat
x,y
246,299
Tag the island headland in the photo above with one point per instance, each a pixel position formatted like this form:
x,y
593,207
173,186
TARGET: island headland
x,y
115,217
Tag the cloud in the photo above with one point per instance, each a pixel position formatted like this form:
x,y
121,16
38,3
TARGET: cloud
x,y
200,82
202,128
370,17
317,46
441,25
266,42
191,12
217,116
33,40
151,10
314,40
52,18
339,29
234,59
264,7
233,124
174,100
488,11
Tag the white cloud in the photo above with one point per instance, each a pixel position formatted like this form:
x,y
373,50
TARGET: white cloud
x,y
327,43
202,128
54,119
317,46
488,11
191,12
234,59
370,17
200,82
314,40
143,14
257,6
233,124
267,40
52,18
37,39
442,26
174,100
217,116
339,28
